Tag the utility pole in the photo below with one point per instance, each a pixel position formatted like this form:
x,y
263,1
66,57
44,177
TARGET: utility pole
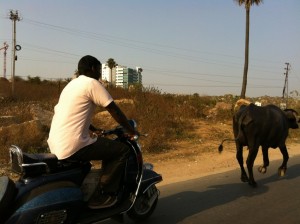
x,y
5,47
285,92
14,16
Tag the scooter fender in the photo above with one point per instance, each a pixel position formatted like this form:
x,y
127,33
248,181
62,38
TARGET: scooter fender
x,y
58,202
150,177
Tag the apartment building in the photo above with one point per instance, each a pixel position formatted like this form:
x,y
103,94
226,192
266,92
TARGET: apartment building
x,y
122,76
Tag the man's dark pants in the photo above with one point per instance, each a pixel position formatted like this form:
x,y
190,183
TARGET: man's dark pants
x,y
113,155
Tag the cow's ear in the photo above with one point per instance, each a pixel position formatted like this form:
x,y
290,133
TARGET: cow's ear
x,y
290,114
291,110
292,119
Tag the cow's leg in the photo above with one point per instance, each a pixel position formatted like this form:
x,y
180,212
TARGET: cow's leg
x,y
263,168
250,161
239,157
283,167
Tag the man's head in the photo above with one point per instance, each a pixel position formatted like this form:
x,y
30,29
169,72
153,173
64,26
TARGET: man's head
x,y
90,66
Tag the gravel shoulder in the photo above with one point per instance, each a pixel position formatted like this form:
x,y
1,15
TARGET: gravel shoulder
x,y
200,156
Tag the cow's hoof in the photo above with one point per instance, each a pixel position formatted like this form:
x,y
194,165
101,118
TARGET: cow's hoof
x,y
262,169
244,178
252,183
281,171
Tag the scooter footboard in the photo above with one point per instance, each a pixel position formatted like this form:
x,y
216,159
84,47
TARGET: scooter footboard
x,y
58,202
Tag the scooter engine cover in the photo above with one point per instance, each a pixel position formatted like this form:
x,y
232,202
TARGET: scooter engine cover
x,y
7,194
51,203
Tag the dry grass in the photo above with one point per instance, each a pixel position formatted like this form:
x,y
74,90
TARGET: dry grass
x,y
166,118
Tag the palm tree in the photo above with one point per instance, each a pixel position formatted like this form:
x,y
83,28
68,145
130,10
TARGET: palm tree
x,y
111,64
248,4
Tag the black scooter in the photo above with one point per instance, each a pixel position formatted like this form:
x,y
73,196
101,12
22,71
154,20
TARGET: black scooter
x,y
56,191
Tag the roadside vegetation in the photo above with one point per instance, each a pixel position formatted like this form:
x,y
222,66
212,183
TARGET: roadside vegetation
x,y
164,117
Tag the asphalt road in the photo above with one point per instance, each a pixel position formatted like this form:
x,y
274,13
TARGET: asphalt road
x,y
223,198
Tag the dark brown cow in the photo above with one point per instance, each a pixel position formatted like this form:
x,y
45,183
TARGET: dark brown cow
x,y
266,126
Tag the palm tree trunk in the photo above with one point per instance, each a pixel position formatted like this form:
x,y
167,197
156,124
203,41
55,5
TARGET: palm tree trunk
x,y
244,85
111,82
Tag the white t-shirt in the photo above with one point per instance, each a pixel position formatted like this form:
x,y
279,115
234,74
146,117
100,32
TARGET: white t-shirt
x,y
73,114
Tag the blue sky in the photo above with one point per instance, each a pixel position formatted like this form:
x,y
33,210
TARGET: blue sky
x,y
184,47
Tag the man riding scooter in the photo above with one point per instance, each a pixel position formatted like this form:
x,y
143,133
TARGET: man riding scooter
x,y
69,136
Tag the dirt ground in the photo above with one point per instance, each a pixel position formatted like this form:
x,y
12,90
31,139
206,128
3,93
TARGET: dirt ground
x,y
200,157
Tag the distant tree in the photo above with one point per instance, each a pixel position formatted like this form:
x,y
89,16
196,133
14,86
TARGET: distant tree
x,y
248,4
76,73
18,79
137,87
111,64
36,79
67,80
294,94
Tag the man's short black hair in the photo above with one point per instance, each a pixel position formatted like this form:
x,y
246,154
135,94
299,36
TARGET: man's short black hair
x,y
86,64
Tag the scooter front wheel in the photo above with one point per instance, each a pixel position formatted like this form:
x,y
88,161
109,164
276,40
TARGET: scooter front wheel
x,y
144,205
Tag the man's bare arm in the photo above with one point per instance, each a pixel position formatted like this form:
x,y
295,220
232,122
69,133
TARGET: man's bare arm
x,y
120,117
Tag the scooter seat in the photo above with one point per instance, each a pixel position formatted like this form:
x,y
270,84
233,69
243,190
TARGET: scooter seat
x,y
37,164
31,164
48,158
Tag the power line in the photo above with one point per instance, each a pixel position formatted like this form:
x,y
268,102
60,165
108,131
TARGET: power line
x,y
135,44
211,86
141,45
101,36
117,40
172,72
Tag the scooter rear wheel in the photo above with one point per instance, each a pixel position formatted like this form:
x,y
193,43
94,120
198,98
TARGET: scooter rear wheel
x,y
144,205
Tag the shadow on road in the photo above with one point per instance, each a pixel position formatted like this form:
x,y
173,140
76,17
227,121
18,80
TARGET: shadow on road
x,y
188,203
180,201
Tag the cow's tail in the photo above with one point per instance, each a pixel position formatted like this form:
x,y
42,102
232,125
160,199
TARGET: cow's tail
x,y
221,145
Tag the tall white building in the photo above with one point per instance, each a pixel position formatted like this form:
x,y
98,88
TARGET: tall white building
x,y
122,76
106,73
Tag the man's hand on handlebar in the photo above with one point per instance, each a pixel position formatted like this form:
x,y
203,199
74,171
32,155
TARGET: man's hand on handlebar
x,y
134,136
